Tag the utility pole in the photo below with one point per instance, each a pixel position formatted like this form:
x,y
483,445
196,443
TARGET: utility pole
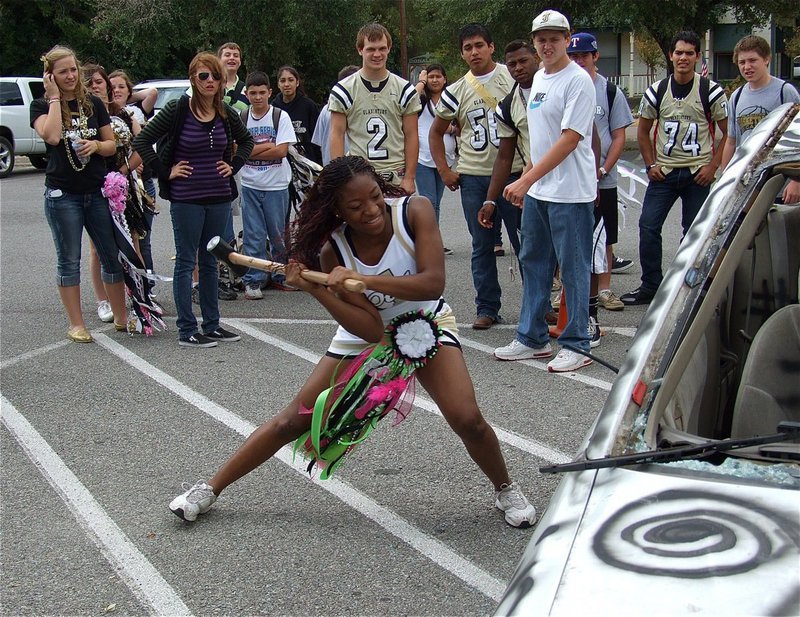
x,y
403,38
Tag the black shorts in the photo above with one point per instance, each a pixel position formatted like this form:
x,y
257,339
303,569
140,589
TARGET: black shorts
x,y
608,210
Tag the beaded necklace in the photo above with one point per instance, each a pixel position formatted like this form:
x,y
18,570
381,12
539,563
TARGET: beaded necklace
x,y
66,135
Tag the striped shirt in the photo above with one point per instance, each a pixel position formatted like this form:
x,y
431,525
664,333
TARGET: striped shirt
x,y
203,145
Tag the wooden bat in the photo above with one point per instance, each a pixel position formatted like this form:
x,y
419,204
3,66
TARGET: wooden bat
x,y
239,264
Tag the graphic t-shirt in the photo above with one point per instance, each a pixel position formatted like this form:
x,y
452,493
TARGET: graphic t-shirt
x,y
748,107
274,174
60,173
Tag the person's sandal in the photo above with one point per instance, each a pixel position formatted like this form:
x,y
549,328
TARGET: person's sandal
x,y
79,335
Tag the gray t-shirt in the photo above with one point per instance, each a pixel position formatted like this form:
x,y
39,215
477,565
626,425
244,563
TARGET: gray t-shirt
x,y
748,107
620,117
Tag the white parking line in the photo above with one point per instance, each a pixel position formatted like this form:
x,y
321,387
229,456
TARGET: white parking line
x,y
139,574
431,548
28,355
518,441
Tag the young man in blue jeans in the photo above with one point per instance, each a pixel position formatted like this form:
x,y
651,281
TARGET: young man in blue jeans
x,y
265,184
559,191
471,101
682,163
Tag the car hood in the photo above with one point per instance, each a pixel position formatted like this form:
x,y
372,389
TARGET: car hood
x,y
692,535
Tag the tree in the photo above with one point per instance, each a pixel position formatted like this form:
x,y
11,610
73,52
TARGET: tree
x,y
664,20
649,51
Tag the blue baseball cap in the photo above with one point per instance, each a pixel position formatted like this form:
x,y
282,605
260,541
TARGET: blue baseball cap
x,y
582,42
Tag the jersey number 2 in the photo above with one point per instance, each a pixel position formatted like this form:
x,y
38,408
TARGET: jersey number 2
x,y
377,128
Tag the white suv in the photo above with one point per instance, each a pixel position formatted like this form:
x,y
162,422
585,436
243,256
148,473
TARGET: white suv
x,y
16,134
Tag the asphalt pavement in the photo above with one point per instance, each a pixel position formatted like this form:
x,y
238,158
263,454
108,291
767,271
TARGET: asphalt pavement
x,y
98,438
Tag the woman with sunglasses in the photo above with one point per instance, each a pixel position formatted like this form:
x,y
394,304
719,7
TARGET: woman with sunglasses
x,y
77,130
195,166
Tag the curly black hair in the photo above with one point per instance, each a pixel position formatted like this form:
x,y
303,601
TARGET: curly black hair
x,y
317,219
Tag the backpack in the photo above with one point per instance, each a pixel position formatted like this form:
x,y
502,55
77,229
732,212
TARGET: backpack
x,y
304,170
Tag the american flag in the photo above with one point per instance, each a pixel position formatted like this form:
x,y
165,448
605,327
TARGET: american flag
x,y
704,68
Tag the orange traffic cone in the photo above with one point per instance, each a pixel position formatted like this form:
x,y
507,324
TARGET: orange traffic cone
x,y
556,330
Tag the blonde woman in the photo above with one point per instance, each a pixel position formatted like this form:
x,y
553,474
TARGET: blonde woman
x,y
77,130
195,168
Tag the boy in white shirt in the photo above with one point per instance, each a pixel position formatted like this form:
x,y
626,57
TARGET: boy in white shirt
x,y
558,190
265,183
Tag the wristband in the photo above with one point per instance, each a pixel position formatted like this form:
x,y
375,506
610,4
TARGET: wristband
x,y
649,167
488,201
53,101
603,172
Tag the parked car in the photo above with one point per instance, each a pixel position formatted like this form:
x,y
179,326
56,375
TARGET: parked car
x,y
16,134
685,496
168,89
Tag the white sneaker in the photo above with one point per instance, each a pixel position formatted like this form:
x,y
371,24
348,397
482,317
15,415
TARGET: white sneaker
x,y
104,311
518,510
567,361
517,351
253,292
197,499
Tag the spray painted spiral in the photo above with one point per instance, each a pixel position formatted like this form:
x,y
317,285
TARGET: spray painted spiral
x,y
694,534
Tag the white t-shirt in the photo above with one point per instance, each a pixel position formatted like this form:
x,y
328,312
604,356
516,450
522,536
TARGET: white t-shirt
x,y
424,129
560,101
269,175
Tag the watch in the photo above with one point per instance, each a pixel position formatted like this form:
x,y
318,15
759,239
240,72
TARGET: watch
x,y
603,172
650,166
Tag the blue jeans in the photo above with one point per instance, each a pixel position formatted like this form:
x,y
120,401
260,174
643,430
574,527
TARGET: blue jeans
x,y
484,264
264,218
67,214
562,233
430,185
193,225
658,201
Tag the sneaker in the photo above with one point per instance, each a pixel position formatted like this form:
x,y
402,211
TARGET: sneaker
x,y
197,340
556,286
609,301
197,499
637,297
253,292
104,311
594,333
620,265
518,510
195,294
226,292
567,361
556,302
448,251
223,336
518,351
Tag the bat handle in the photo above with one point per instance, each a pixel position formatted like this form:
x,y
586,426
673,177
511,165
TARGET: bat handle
x,y
322,279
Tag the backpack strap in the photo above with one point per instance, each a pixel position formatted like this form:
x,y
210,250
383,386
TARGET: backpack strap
x,y
705,86
243,116
611,95
660,92
276,118
782,87
738,94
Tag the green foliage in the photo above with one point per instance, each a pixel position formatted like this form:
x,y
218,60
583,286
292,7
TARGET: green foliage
x,y
157,38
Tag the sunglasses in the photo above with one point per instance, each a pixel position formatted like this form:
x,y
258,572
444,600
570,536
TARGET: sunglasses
x,y
204,76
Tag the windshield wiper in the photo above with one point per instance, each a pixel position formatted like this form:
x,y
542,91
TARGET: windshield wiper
x,y
786,432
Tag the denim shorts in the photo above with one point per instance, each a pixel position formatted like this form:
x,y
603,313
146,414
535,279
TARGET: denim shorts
x,y
68,214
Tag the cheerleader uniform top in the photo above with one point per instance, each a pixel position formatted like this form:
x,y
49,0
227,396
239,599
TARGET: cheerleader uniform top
x,y
397,260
